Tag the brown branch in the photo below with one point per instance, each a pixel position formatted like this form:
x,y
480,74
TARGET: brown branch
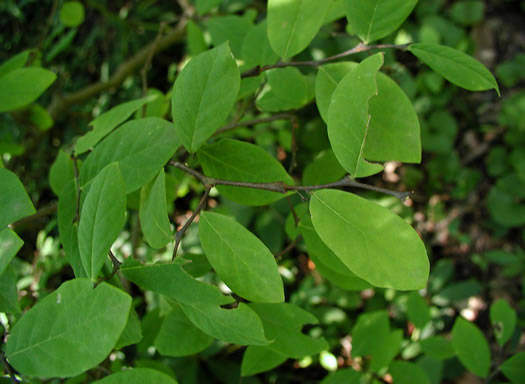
x,y
116,266
290,246
200,207
281,187
256,71
249,123
8,369
61,103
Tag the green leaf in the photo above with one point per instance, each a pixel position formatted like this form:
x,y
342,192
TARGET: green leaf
x,y
347,376
195,42
132,333
417,310
503,318
293,24
382,358
231,28
39,116
256,49
69,331
15,204
61,173
22,86
102,218
471,347
201,303
203,96
514,368
108,121
240,161
179,337
323,169
258,359
204,6
374,243
15,62
506,201
10,244
8,293
349,117
141,148
438,348
72,13
404,372
137,376
153,212
369,333
240,259
455,66
467,12
375,19
283,323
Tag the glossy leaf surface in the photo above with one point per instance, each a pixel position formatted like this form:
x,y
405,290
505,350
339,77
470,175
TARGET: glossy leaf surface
x,y
61,335
203,96
15,204
137,376
22,86
471,347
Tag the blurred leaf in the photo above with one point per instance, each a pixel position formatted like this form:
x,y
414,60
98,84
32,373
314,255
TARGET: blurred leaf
x,y
370,333
256,49
471,347
454,292
347,376
23,86
514,368
15,204
10,244
407,373
137,376
61,173
204,6
467,12
438,347
510,72
230,28
72,13
8,292
15,62
506,201
503,319
418,311
260,359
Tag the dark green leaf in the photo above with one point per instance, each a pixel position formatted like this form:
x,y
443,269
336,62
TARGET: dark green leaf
x,y
417,311
323,169
61,172
132,333
369,333
347,376
15,204
408,373
256,49
10,244
231,28
137,376
503,318
204,6
22,86
471,347
506,201
8,293
467,12
514,368
260,359
438,348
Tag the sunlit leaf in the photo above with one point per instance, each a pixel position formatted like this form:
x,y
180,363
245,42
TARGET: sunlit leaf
x,y
22,86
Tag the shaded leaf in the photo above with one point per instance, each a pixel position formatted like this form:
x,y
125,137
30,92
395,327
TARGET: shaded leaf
x,y
369,333
503,318
22,86
514,368
404,372
417,310
438,348
471,347
256,49
8,292
137,376
10,244
15,204
61,172
132,333
347,376
229,28
258,359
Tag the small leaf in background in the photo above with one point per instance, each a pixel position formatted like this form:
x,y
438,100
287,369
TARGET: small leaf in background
x,y
374,243
137,376
438,347
349,117
374,19
283,323
514,368
384,356
203,96
204,6
141,147
102,218
369,333
108,121
195,43
8,292
417,310
293,24
61,172
22,86
15,62
471,347
323,169
347,376
15,204
72,13
70,331
505,201
467,12
230,28
503,319
132,333
39,116
153,212
240,161
455,66
256,49
408,373
258,359
240,259
10,244
179,337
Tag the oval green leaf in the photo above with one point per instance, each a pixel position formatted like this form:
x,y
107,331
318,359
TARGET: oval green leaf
x,y
514,368
239,161
503,319
240,259
374,19
153,212
22,86
15,204
471,347
70,331
141,148
72,13
203,95
455,66
102,218
137,376
293,24
374,243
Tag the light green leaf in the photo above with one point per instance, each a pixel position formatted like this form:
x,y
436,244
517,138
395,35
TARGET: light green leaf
x,y
231,28
8,293
514,368
10,244
22,86
179,337
102,218
137,376
293,24
108,121
141,148
203,96
404,372
347,376
240,161
72,13
455,66
503,318
375,19
70,331
258,359
15,62
132,333
153,212
61,172
374,243
204,6
438,348
195,42
283,323
471,347
349,117
240,259
201,303
15,204
417,310
256,49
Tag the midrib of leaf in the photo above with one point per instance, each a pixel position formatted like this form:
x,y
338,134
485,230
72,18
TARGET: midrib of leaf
x,y
361,149
371,21
296,14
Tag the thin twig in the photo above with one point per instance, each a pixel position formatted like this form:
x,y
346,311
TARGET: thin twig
x,y
295,126
292,209
281,187
290,246
200,207
8,368
147,65
256,71
116,265
249,123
